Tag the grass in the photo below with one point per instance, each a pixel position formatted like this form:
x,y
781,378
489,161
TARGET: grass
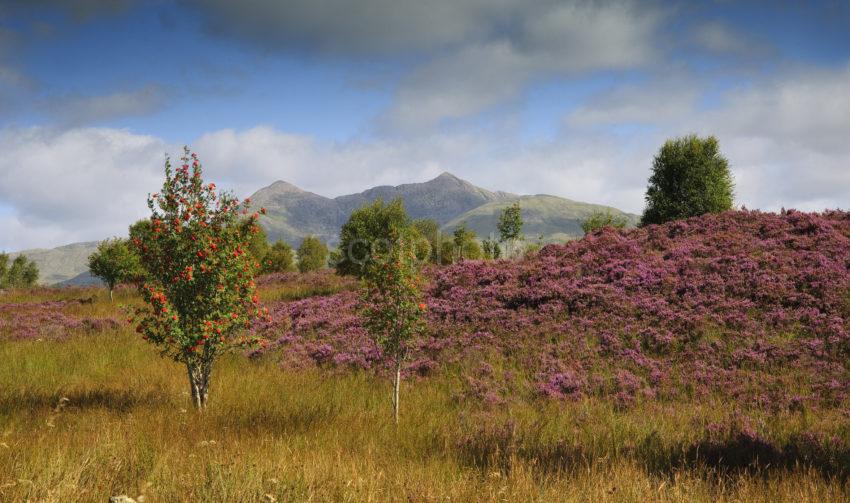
x,y
103,414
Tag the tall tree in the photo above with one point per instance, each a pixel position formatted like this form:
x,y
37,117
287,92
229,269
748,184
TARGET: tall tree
x,y
200,294
689,178
312,254
114,262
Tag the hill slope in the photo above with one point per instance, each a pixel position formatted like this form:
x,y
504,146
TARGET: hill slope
x,y
751,307
555,218
60,264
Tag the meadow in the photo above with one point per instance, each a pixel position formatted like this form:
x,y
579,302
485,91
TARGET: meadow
x,y
702,360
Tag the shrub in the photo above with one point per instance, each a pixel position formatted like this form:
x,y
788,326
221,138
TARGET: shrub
x,y
601,219
278,258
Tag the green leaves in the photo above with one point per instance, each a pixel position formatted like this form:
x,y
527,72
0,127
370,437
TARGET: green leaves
x,y
312,254
689,178
195,250
392,304
114,262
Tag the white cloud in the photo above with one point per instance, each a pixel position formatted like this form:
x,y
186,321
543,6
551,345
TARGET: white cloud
x,y
78,185
785,137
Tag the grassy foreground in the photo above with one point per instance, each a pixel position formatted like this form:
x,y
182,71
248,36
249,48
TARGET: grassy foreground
x,y
91,415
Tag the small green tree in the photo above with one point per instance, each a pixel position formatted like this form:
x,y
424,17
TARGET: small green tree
x,y
464,241
367,232
199,294
22,273
114,262
392,304
312,254
510,225
600,219
278,258
689,178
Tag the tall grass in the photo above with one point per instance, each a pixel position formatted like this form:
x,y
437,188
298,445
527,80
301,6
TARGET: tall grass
x,y
96,415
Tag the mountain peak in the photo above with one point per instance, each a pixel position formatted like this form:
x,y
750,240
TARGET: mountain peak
x,y
281,187
445,175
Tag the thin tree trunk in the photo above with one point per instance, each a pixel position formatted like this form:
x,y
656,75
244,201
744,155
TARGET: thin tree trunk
x,y
396,386
199,383
110,296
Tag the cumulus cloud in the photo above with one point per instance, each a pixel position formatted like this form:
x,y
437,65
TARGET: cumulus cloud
x,y
81,184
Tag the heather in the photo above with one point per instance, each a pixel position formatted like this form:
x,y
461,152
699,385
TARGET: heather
x,y
748,306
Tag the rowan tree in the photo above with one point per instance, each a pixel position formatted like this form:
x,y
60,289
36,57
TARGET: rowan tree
x,y
200,294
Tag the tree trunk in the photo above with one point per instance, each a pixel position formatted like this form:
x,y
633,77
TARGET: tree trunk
x,y
199,382
396,386
110,296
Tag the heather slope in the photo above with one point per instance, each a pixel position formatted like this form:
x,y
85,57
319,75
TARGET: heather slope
x,y
748,306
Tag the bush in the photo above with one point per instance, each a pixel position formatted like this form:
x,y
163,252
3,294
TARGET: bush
x,y
689,178
601,219
312,254
278,258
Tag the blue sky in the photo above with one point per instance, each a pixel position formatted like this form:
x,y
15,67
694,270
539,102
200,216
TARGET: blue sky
x,y
567,98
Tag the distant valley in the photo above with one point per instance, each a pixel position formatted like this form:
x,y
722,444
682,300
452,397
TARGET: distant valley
x,y
293,213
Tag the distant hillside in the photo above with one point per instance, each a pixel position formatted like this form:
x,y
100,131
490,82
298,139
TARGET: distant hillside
x,y
556,218
293,213
60,264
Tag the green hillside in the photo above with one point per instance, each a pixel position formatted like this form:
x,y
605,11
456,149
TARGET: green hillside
x,y
556,218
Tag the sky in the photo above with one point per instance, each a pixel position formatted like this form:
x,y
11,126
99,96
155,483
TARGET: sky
x,y
570,98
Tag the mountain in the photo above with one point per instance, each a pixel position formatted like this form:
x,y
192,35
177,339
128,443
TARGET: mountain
x,y
57,265
292,213
555,218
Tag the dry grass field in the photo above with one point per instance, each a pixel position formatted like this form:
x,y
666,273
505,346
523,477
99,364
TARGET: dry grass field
x,y
97,412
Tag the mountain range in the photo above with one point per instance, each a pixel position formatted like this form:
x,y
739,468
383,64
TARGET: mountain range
x,y
293,213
